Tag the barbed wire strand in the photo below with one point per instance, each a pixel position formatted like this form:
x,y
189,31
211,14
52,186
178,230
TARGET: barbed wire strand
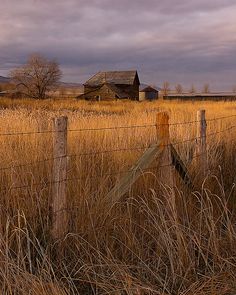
x,y
110,151
73,155
111,128
47,183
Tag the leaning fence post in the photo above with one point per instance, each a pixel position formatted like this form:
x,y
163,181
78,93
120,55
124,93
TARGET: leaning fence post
x,y
201,149
59,200
167,169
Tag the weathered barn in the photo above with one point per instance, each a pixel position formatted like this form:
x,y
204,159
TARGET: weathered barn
x,y
148,93
112,85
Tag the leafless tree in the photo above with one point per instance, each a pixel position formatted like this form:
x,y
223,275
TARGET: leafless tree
x,y
192,89
166,88
234,89
179,89
37,77
206,88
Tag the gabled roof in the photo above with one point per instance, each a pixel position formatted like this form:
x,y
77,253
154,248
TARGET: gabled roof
x,y
147,88
114,77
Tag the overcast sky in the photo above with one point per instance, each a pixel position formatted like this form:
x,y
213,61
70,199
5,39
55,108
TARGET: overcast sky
x,y
181,41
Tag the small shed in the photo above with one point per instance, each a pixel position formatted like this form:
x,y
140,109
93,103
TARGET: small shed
x,y
148,93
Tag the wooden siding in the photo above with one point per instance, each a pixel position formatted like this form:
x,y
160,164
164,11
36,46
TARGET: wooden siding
x,y
148,95
105,93
99,93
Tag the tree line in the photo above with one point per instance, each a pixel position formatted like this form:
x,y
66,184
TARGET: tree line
x,y
180,90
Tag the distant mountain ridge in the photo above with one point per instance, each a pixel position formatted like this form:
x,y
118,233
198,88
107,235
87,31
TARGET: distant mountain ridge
x,y
4,79
66,84
71,85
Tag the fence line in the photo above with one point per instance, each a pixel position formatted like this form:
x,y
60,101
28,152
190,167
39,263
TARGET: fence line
x,y
110,151
93,177
76,130
47,183
163,148
112,128
80,178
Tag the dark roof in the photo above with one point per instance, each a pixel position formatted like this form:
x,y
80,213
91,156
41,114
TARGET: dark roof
x,y
115,77
148,89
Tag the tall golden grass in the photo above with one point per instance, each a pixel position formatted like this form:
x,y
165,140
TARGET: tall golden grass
x,y
142,247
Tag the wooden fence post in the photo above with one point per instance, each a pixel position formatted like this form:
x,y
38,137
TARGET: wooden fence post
x,y
201,150
167,172
1,228
59,198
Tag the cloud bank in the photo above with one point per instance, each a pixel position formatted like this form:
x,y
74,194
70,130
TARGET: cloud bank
x,y
182,41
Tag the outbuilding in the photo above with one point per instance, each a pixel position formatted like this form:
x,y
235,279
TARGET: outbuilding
x,y
148,93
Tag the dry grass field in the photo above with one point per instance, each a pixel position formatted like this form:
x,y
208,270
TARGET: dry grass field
x,y
141,247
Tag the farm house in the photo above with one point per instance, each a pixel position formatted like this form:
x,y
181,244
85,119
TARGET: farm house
x,y
148,93
112,85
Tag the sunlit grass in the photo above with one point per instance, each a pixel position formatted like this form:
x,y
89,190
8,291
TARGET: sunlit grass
x,y
141,247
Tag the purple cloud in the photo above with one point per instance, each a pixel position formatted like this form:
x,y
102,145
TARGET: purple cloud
x,y
183,41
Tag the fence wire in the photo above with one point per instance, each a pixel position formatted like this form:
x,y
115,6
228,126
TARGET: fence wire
x,y
48,183
98,152
113,127
138,148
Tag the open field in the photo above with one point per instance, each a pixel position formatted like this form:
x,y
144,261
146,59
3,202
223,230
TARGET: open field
x,y
141,247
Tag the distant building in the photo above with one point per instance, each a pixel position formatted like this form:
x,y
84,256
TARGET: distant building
x,y
148,93
112,85
202,96
10,94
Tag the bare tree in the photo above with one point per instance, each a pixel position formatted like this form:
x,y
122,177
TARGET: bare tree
x,y
179,89
192,89
37,77
206,88
166,88
234,89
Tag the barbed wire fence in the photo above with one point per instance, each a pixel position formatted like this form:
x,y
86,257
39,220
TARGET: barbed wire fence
x,y
162,147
